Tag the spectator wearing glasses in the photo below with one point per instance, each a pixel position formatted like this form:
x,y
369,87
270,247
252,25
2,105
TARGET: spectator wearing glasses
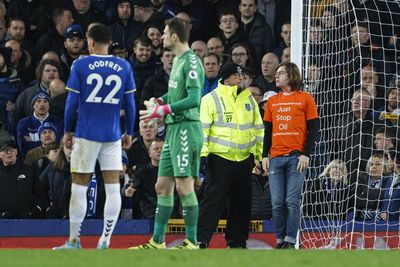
x,y
230,33
215,45
241,55
292,125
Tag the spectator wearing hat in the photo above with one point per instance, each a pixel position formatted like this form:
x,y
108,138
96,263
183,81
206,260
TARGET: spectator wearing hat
x,y
230,150
10,85
124,31
20,190
53,40
47,71
47,134
28,127
118,50
73,45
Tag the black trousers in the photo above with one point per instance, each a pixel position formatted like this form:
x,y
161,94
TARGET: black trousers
x,y
226,181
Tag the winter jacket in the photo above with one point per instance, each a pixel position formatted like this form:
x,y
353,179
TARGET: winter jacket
x,y
21,195
155,86
29,127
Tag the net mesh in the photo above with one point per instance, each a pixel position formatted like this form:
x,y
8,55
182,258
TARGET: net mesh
x,y
351,195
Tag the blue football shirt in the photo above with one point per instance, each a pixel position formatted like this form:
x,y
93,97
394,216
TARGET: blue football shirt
x,y
101,82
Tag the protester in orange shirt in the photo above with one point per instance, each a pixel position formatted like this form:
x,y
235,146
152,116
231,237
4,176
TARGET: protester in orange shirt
x,y
292,124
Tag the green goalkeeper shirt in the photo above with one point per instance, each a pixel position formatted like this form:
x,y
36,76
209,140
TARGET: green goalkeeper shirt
x,y
185,86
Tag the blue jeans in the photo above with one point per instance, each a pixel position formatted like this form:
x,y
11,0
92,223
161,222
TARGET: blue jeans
x,y
285,184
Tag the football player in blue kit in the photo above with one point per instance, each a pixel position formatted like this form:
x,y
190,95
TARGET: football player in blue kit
x,y
98,84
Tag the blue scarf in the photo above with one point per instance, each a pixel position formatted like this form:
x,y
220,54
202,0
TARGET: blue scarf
x,y
92,197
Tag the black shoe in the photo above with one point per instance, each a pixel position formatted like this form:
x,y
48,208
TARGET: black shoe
x,y
202,245
280,245
288,245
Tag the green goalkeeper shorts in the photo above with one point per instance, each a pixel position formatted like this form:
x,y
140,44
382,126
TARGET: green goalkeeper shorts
x,y
180,156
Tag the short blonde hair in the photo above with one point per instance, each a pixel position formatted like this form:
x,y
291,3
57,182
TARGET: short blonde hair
x,y
385,162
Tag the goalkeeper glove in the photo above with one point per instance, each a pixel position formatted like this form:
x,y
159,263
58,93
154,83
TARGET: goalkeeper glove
x,y
156,113
152,102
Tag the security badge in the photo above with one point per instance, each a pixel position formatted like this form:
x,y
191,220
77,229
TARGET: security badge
x,y
228,116
247,107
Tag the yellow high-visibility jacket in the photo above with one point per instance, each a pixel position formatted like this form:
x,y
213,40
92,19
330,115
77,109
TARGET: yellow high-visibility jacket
x,y
232,124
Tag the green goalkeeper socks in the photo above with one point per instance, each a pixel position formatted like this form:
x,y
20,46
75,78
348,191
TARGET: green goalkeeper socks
x,y
165,205
190,214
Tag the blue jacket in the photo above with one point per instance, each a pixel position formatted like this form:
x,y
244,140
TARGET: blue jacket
x,y
391,199
28,128
210,85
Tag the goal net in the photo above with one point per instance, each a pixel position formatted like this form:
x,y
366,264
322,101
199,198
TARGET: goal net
x,y
350,56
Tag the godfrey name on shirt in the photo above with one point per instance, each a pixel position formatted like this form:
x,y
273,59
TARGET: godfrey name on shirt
x,y
106,64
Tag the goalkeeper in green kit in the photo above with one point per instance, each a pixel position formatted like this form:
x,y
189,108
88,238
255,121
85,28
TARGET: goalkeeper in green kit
x,y
180,156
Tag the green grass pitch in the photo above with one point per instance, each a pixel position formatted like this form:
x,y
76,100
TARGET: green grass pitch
x,y
217,258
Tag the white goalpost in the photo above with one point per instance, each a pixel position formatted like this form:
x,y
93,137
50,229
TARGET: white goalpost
x,y
349,55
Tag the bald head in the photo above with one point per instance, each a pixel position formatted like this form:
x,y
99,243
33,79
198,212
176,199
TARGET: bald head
x,y
269,63
16,51
215,45
51,55
57,87
199,48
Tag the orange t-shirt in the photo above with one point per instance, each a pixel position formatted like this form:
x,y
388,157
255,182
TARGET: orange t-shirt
x,y
289,115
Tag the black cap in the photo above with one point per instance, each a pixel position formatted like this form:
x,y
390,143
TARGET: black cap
x,y
229,69
8,143
115,46
141,3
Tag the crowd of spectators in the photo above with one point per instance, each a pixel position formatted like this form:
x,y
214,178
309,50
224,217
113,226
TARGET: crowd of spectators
x,y
351,72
